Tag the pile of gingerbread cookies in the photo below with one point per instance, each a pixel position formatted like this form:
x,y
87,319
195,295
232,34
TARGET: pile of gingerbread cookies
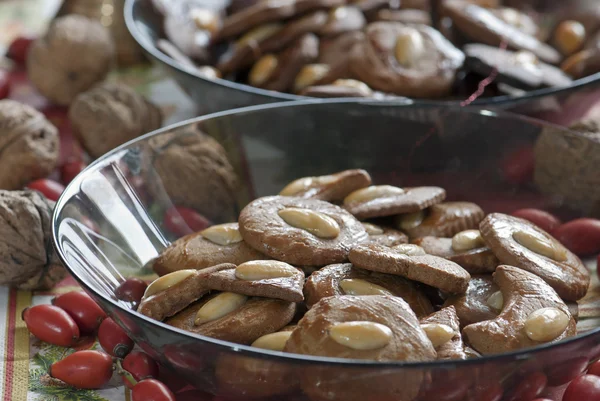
x,y
379,48
335,266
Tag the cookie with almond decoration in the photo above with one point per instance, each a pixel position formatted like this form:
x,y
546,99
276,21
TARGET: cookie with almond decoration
x,y
432,270
344,279
217,244
443,329
517,242
387,200
384,235
302,232
332,188
482,301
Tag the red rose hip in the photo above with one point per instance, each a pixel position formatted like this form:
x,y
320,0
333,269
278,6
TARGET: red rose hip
x,y
586,387
183,221
4,84
140,365
50,189
51,324
131,290
152,390
113,339
18,49
544,220
83,309
84,369
580,236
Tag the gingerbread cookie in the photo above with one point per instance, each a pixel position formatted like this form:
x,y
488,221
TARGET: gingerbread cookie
x,y
480,302
443,329
387,200
384,235
427,269
532,314
406,60
517,19
344,279
481,25
218,244
343,19
278,71
233,317
259,278
300,231
519,243
472,255
441,220
380,328
332,188
269,11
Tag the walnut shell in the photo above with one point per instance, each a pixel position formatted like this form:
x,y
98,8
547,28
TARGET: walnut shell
x,y
76,53
109,115
194,170
27,258
566,166
29,145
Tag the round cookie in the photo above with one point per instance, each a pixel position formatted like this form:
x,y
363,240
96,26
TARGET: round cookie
x,y
326,283
453,347
477,260
331,188
385,200
255,318
262,227
317,334
472,306
194,251
507,237
406,60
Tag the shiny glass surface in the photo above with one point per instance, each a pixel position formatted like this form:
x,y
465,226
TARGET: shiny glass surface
x,y
110,223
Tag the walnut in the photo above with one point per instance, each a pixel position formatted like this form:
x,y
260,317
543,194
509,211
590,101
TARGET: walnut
x,y
193,169
566,166
29,145
27,258
109,115
76,53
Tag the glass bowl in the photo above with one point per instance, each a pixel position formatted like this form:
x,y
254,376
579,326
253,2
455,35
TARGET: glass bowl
x,y
118,215
212,95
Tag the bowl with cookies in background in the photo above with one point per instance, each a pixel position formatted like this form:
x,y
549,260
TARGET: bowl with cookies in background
x,y
348,250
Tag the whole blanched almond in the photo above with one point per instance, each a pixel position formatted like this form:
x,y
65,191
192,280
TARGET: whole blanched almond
x,y
167,281
409,47
223,234
438,334
546,324
541,245
316,223
302,184
410,249
361,335
373,192
409,221
496,300
467,240
356,286
264,269
219,306
262,71
372,229
274,341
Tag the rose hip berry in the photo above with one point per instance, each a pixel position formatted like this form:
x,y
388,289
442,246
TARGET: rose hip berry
x,y
531,386
152,390
70,170
141,366
83,309
113,339
586,387
49,188
51,324
183,221
131,290
17,50
84,369
580,236
517,168
594,368
544,220
4,84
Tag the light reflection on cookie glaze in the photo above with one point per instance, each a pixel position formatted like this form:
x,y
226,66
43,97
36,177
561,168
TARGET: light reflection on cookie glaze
x,y
316,223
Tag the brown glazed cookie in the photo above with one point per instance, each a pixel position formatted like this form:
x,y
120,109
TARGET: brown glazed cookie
x,y
272,224
175,291
217,244
384,235
343,279
441,220
406,16
517,19
247,319
532,314
481,25
260,278
336,51
277,71
254,377
343,19
520,69
332,188
268,11
406,60
477,260
387,200
443,329
380,328
473,306
427,269
522,244
268,38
